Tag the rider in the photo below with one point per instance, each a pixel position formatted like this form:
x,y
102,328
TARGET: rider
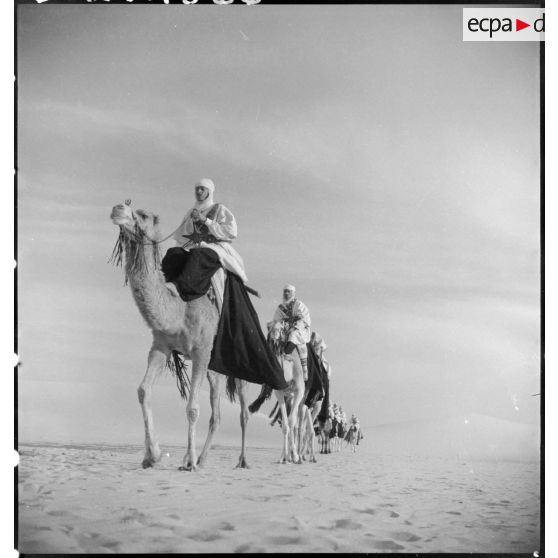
x,y
295,315
354,423
319,346
210,225
342,417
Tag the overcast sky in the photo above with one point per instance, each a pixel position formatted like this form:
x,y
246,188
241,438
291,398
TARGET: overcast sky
x,y
371,157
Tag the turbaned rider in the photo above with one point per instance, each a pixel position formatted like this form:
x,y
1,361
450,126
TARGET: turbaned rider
x,y
295,316
211,225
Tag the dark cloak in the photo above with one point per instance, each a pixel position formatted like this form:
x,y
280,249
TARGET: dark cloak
x,y
322,415
316,375
240,349
190,270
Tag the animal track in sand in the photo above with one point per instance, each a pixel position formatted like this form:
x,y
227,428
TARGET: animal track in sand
x,y
404,536
111,545
57,513
373,511
347,524
285,540
386,545
205,536
133,516
226,526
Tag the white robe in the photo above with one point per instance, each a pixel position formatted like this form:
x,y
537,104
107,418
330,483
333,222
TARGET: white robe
x,y
223,227
300,332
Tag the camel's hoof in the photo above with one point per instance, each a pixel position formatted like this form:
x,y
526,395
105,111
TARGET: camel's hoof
x,y
146,463
189,467
242,464
298,461
313,459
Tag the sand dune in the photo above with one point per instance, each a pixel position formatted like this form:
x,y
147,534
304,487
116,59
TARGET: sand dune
x,y
98,499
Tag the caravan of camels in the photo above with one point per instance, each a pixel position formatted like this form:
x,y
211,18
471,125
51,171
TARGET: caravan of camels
x,y
195,301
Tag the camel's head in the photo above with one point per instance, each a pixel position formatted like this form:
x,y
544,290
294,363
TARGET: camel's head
x,y
136,223
138,230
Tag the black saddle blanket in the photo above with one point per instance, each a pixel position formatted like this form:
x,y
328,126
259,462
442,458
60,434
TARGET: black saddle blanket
x,y
317,378
191,271
240,349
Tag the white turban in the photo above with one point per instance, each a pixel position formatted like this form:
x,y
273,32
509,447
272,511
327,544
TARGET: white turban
x,y
289,288
206,183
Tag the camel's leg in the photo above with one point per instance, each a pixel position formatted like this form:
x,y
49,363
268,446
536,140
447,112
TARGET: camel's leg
x,y
241,388
284,427
310,436
301,420
155,363
293,424
200,360
215,381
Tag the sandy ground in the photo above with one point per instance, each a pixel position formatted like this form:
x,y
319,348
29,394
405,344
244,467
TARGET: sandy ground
x,y
98,499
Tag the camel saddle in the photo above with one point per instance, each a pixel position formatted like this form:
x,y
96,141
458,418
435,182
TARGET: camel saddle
x,y
190,270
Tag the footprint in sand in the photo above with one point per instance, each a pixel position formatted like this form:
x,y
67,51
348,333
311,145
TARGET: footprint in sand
x,y
347,524
134,517
112,546
386,545
373,511
244,548
404,536
226,526
57,513
285,540
205,536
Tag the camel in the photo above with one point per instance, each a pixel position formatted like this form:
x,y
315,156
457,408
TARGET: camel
x,y
353,436
295,392
305,434
324,431
337,434
177,326
308,434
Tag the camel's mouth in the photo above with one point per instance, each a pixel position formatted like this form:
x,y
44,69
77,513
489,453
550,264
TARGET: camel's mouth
x,y
120,215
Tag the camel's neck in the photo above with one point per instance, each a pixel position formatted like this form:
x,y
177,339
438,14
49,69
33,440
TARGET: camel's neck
x,y
147,284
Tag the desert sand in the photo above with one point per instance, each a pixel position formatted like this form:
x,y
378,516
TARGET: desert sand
x,y
98,499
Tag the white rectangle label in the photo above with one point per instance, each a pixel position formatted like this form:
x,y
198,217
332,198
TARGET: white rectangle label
x,y
503,24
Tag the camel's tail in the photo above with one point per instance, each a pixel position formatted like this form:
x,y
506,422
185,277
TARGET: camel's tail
x,y
180,369
265,394
231,388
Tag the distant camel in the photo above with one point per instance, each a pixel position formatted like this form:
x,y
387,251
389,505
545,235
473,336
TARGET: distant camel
x,y
324,431
352,436
306,434
178,327
292,370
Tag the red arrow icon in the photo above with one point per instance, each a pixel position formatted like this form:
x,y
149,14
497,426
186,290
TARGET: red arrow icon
x,y
519,25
